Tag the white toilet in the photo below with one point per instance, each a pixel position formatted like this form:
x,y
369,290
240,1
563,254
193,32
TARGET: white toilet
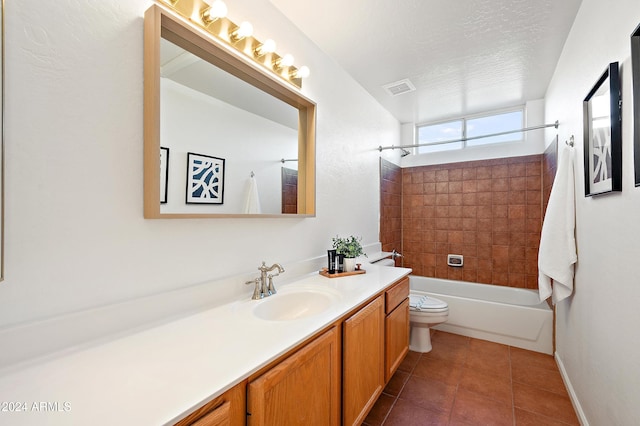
x,y
424,312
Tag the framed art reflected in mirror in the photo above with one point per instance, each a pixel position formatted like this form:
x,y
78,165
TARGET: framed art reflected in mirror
x,y
602,130
635,71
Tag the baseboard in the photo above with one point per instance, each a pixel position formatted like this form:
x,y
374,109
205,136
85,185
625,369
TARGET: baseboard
x,y
572,394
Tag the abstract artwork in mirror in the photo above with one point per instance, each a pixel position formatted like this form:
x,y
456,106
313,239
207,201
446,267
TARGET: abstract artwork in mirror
x,y
201,98
602,129
635,71
205,179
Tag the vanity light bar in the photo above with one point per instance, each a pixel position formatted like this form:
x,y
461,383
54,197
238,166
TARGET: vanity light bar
x,y
210,15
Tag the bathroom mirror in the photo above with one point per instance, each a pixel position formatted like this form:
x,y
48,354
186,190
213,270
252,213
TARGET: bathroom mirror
x,y
222,136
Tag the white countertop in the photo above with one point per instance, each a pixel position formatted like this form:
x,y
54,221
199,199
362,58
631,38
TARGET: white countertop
x,y
158,375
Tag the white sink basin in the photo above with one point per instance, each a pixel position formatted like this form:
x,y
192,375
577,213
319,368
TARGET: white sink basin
x,y
293,305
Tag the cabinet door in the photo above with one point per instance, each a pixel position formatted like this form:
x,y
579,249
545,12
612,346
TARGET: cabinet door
x,y
229,409
363,361
220,416
396,338
304,389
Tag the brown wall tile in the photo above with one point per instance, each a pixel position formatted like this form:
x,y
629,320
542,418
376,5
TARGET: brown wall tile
x,y
488,211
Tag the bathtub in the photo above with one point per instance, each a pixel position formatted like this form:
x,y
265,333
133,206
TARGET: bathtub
x,y
511,316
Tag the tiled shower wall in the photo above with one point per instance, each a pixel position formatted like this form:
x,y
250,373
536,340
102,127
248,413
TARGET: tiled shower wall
x,y
549,168
488,211
390,206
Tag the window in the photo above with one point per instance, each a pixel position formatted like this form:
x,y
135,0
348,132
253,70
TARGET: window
x,y
465,132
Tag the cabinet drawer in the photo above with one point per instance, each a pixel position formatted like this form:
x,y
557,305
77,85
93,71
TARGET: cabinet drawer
x,y
396,294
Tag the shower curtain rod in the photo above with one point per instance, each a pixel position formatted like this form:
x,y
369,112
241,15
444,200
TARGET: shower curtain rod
x,y
526,129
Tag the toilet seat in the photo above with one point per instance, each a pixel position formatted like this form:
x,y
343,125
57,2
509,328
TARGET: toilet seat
x,y
426,304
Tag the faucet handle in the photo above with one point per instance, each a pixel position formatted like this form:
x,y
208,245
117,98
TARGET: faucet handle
x,y
257,291
271,289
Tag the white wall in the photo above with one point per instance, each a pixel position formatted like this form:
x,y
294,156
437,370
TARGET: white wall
x,y
198,123
597,329
75,232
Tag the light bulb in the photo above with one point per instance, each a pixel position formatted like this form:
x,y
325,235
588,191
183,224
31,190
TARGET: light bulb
x,y
217,9
302,72
286,61
269,46
244,30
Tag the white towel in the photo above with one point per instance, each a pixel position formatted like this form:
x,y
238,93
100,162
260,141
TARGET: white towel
x,y
252,204
557,253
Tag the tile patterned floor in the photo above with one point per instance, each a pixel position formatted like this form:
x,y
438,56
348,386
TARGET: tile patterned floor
x,y
465,381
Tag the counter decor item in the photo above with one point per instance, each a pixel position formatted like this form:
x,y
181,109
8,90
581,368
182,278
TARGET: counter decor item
x,y
325,273
351,248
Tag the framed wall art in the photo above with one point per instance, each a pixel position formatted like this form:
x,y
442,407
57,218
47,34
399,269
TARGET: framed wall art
x,y
164,174
205,179
602,129
635,71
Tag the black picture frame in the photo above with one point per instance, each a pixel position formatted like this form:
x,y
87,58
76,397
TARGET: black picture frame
x,y
602,130
635,72
164,174
205,179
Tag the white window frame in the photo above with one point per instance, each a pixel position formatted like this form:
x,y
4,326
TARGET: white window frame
x,y
464,120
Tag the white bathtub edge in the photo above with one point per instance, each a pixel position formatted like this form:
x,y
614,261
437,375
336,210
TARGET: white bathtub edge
x,y
529,326
572,394
495,337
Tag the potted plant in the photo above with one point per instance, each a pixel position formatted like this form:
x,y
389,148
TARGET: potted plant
x,y
350,248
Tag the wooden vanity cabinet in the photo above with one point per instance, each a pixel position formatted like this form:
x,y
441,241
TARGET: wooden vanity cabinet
x,y
333,379
363,361
304,389
228,409
396,326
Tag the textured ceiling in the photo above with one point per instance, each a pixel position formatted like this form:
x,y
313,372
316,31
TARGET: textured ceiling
x,y
463,56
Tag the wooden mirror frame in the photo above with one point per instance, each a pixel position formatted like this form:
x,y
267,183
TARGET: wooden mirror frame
x,y
160,23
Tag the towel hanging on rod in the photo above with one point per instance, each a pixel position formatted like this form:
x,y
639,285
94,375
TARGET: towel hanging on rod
x,y
557,253
252,200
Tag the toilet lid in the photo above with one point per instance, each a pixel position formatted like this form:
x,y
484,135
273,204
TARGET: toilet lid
x,y
425,303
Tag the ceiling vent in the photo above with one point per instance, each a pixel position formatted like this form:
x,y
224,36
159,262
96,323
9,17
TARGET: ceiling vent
x,y
399,87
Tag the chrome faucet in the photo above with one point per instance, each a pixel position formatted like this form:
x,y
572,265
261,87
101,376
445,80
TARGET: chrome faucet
x,y
264,284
